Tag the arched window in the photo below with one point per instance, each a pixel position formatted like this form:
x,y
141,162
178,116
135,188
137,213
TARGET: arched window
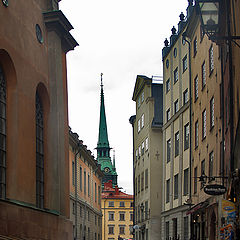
x,y
2,134
39,154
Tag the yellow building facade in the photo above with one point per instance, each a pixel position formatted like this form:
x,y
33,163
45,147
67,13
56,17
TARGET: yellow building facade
x,y
117,213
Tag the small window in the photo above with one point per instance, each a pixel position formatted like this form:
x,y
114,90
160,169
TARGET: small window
x,y
184,61
175,75
122,204
110,230
168,85
110,204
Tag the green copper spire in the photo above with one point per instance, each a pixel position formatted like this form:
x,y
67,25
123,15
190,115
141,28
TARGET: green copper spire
x,y
103,148
102,135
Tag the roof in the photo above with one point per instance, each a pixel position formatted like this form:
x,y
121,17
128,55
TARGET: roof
x,y
110,192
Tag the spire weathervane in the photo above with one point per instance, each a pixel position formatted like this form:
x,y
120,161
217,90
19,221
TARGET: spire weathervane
x,y
101,80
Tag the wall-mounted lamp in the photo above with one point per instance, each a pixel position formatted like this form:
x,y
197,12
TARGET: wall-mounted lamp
x,y
209,11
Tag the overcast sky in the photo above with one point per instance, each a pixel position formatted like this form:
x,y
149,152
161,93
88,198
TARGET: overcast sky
x,y
121,39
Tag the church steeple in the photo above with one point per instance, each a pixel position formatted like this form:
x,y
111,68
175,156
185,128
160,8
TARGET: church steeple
x,y
103,134
103,148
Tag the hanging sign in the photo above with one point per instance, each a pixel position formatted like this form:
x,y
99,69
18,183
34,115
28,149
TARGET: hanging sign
x,y
215,189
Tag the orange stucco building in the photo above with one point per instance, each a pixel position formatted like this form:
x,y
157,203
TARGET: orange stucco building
x,y
34,176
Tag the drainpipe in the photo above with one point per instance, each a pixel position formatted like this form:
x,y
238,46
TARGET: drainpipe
x,y
190,123
131,121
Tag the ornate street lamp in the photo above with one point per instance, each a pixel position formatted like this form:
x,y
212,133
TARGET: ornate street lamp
x,y
209,14
209,11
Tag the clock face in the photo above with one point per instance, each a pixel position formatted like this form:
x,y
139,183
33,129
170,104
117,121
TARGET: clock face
x,y
106,169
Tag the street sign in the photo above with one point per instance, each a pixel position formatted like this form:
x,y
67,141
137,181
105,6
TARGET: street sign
x,y
215,189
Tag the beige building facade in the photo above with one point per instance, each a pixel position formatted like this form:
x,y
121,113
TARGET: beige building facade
x,y
147,141
206,131
176,136
85,191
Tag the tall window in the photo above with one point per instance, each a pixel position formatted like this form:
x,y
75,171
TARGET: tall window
x,y
168,114
80,179
139,125
122,229
167,190
146,143
211,60
202,171
211,158
195,46
168,150
85,182
110,229
88,185
212,112
203,75
175,230
196,88
184,61
95,192
168,85
175,75
122,216
204,124
195,180
73,173
146,178
176,144
196,134
39,154
176,106
2,135
110,216
146,210
142,122
176,186
185,182
186,136
185,96
142,181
